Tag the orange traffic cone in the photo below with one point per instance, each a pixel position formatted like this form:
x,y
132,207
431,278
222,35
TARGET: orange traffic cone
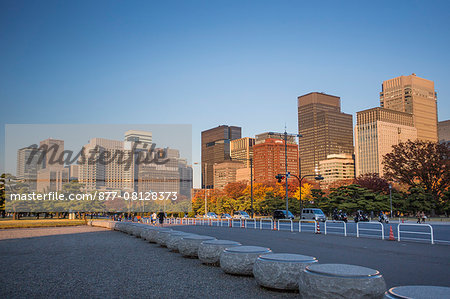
x,y
318,228
391,234
274,225
230,222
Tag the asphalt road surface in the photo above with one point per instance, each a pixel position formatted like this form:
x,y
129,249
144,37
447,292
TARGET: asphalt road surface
x,y
94,262
89,262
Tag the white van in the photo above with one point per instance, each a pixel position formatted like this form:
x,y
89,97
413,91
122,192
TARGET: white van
x,y
313,214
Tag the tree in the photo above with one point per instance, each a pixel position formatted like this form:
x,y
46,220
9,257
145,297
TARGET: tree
x,y
373,182
421,164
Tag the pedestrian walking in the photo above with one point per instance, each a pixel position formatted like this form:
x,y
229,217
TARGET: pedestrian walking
x,y
418,217
161,216
422,215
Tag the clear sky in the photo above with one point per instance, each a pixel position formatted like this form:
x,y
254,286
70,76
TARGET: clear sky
x,y
208,63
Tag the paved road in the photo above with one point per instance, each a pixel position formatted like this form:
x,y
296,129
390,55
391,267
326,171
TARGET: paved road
x,y
401,263
87,262
409,232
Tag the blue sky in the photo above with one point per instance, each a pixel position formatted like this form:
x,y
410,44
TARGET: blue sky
x,y
208,63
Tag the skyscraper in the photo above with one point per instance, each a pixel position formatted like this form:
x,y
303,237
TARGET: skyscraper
x,y
269,159
376,131
325,130
53,175
216,149
28,166
416,96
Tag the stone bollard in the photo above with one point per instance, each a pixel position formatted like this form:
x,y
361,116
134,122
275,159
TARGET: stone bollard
x,y
188,245
281,271
209,251
340,281
417,292
240,260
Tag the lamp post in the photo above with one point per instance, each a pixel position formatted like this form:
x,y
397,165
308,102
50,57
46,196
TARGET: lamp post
x,y
390,197
317,178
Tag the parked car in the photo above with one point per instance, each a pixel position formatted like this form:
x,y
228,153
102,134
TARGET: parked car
x,y
281,214
313,214
225,216
211,215
241,215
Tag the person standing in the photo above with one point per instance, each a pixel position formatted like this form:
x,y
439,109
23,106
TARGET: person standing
x,y
161,216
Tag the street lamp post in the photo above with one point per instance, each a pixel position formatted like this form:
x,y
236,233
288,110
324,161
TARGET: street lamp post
x,y
390,197
317,178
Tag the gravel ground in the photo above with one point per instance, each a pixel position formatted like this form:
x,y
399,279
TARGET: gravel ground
x,y
80,262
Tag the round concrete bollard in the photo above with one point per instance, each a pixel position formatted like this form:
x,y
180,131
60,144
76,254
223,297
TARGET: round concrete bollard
x,y
240,260
137,229
281,271
340,281
161,237
151,234
173,240
188,245
417,292
209,251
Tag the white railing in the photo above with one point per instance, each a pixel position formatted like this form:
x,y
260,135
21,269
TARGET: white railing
x,y
236,222
311,222
285,220
369,229
415,232
262,220
343,228
250,220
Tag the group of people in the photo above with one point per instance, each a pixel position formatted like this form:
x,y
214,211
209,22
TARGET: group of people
x,y
154,218
421,217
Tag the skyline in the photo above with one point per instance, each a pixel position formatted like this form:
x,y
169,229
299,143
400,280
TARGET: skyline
x,y
208,64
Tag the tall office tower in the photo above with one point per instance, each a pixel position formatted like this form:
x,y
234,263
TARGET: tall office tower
x,y
186,178
325,130
53,175
269,159
28,166
52,150
216,149
416,96
376,131
444,131
337,167
225,172
164,177
108,165
241,150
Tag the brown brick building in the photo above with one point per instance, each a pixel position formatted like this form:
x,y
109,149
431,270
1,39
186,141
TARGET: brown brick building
x,y
269,159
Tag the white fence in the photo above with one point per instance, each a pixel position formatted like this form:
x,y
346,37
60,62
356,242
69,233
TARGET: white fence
x,y
285,222
341,228
308,226
399,231
365,229
405,231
